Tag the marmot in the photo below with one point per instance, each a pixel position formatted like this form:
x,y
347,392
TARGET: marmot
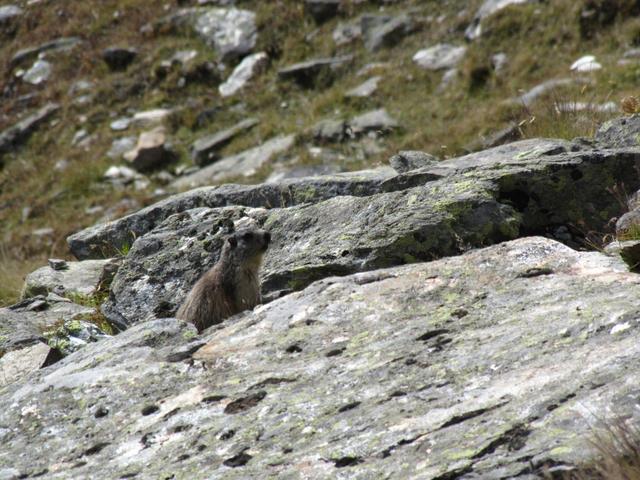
x,y
232,284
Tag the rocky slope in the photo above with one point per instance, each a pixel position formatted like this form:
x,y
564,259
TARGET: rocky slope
x,y
468,316
109,106
495,363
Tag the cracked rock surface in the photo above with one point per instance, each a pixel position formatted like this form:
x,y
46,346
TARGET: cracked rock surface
x,y
490,364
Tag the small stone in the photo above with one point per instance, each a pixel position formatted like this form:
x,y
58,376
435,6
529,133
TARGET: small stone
x,y
37,305
365,89
9,12
8,16
628,226
150,118
58,264
39,72
440,57
528,98
43,232
406,161
587,63
312,72
118,58
250,66
80,86
58,45
499,61
79,137
151,151
204,150
121,146
375,120
120,124
346,33
329,131
389,33
448,78
488,8
231,31
120,173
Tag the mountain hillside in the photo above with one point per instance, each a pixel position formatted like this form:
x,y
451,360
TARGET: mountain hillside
x,y
485,75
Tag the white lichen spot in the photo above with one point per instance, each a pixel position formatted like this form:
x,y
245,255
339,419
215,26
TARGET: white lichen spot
x,y
621,327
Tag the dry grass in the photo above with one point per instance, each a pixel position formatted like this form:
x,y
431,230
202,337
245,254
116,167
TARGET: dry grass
x,y
616,449
12,274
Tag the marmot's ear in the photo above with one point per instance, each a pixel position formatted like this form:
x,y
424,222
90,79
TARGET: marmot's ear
x,y
233,241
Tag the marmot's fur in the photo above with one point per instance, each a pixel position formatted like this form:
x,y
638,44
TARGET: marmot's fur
x,y
232,285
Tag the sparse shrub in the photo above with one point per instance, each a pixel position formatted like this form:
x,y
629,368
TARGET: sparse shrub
x,y
616,449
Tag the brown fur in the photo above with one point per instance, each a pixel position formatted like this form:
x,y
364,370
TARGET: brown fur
x,y
232,285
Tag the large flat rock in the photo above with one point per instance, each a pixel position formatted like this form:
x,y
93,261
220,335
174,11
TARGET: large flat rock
x,y
82,278
493,364
335,237
106,239
243,164
519,189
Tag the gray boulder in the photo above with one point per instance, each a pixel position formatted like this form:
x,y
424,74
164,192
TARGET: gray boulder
x,y
38,73
491,364
375,120
31,53
411,160
244,71
108,238
528,98
440,57
329,131
316,72
9,15
81,278
389,33
620,132
243,164
17,134
205,150
20,362
231,31
488,8
151,152
335,237
24,323
365,89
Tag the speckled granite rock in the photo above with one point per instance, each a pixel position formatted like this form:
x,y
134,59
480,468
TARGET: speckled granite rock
x,y
492,364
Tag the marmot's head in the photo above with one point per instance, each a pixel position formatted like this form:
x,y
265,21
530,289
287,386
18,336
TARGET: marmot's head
x,y
247,243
